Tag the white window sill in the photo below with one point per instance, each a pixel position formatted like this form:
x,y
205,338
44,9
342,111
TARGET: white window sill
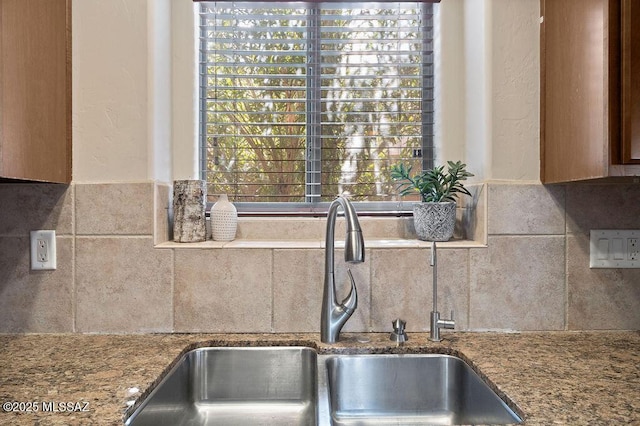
x,y
309,233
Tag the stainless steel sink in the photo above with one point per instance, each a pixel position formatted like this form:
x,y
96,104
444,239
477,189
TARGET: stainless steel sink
x,y
296,386
235,386
410,390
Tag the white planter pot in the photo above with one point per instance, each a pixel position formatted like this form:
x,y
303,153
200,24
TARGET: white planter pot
x,y
434,221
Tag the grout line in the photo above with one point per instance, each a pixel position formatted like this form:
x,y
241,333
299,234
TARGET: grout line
x,y
468,289
273,297
566,262
74,257
566,282
74,292
528,235
370,321
131,236
173,291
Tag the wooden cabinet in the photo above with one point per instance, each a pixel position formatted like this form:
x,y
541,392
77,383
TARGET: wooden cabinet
x,y
630,81
35,90
582,90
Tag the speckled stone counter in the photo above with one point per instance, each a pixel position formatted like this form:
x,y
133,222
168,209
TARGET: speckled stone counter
x,y
550,378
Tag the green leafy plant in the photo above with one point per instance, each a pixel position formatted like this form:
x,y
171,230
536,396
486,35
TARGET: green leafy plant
x,y
433,185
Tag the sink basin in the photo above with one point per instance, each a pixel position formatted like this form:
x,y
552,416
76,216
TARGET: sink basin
x,y
296,386
410,390
235,386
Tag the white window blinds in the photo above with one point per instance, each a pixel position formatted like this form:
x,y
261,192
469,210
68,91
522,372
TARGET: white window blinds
x,y
301,102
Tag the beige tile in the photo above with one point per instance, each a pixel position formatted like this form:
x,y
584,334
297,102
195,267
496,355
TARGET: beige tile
x,y
379,227
526,209
471,220
402,287
114,209
272,244
518,283
377,244
602,206
193,246
600,299
226,290
123,285
35,301
451,244
410,229
162,232
453,286
297,290
273,228
27,207
375,228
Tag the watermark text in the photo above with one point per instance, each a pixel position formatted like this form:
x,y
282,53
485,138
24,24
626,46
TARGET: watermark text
x,y
45,406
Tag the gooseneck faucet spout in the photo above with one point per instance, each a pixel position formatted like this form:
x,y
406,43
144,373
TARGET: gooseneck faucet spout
x,y
335,315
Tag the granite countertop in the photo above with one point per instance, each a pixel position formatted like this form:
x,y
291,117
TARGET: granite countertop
x,y
573,378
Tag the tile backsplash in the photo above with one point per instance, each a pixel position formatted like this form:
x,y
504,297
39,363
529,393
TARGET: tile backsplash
x,y
113,277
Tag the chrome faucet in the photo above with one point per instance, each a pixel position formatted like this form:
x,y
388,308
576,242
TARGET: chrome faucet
x,y
436,322
335,315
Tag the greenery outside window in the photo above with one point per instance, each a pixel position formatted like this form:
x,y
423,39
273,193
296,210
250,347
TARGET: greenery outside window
x,y
302,101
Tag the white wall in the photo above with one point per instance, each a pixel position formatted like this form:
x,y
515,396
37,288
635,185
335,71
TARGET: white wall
x,y
160,100
121,90
478,89
109,90
134,90
489,87
450,88
515,82
185,91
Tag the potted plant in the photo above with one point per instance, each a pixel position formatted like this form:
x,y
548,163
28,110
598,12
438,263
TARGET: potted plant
x,y
435,217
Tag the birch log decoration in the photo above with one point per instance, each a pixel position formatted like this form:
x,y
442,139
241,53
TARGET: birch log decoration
x,y
189,200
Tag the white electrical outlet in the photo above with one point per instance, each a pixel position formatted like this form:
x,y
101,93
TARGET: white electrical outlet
x,y
43,250
633,251
614,248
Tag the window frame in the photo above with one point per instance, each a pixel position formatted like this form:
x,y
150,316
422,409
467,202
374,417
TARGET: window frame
x,y
310,207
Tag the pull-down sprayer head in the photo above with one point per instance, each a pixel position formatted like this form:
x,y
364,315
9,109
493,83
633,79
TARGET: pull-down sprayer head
x,y
354,246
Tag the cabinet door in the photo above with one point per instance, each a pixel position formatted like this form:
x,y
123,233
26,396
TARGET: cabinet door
x,y
580,113
630,81
35,92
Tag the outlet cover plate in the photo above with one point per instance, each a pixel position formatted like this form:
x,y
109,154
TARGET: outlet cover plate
x,y
43,250
614,248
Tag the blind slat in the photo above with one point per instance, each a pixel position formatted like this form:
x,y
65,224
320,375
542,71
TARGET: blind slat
x,y
300,100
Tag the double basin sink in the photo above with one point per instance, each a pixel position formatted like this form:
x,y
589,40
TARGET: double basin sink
x,y
297,386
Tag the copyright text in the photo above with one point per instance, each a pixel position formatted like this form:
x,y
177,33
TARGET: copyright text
x,y
44,406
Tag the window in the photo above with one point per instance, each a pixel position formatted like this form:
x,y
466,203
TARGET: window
x,y
301,102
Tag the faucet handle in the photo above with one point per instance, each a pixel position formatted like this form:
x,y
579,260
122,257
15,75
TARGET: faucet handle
x,y
448,323
350,303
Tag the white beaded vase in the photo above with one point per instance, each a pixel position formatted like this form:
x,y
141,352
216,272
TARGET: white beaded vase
x,y
224,220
